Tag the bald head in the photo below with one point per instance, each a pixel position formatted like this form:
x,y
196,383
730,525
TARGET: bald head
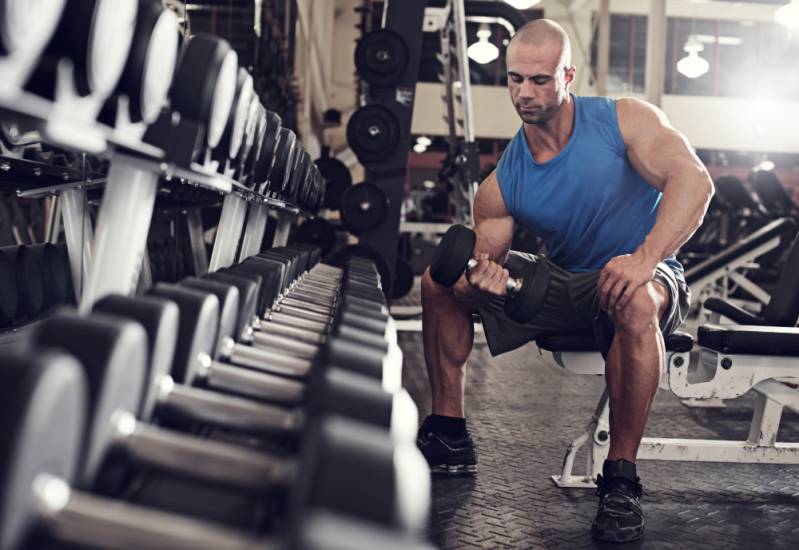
x,y
544,33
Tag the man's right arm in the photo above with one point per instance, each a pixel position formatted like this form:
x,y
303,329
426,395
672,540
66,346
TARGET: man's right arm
x,y
493,226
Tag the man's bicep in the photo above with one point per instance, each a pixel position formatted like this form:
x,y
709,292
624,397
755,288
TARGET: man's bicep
x,y
493,223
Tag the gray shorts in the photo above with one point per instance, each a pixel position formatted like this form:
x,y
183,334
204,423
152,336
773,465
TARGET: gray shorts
x,y
571,306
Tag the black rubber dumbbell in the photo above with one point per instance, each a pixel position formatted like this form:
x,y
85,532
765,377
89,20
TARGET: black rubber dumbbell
x,y
525,292
44,414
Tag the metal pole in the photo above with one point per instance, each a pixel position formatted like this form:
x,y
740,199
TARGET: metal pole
x,y
463,68
78,235
254,233
199,255
655,46
603,48
284,220
228,233
122,227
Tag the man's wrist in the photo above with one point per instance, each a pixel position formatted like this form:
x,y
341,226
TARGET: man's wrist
x,y
649,255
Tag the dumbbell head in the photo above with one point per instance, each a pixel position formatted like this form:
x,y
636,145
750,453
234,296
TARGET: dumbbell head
x,y
252,160
205,84
29,272
452,255
151,64
159,318
42,407
113,353
273,125
248,297
9,295
57,275
28,24
234,134
284,155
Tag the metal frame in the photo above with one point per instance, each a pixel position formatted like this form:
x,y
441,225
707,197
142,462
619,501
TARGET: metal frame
x,y
194,225
284,221
709,381
78,233
257,217
228,233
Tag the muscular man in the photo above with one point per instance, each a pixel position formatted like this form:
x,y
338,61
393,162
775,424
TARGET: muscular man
x,y
614,190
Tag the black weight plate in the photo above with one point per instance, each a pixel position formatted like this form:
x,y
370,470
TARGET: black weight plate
x,y
523,304
9,298
55,273
363,207
381,58
340,257
115,364
338,179
301,187
152,60
254,158
373,133
159,317
318,232
237,124
42,410
403,279
297,168
452,255
266,161
203,63
283,157
30,280
421,253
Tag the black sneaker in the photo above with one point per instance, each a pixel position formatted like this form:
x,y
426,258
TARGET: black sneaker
x,y
619,517
446,455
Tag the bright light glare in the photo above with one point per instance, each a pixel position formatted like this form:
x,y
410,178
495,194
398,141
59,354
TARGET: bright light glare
x,y
483,51
424,140
766,166
522,4
419,148
693,66
788,15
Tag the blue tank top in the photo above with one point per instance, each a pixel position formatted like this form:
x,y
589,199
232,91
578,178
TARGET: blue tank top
x,y
588,204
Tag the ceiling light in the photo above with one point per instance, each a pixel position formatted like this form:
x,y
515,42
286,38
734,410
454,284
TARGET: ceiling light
x,y
483,51
419,148
766,166
720,40
522,4
424,140
693,66
788,15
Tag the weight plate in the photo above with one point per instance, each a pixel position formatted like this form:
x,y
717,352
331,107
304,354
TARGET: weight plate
x,y
318,232
55,273
28,24
283,159
403,279
236,126
115,364
339,259
297,168
253,159
205,83
338,179
373,133
159,317
42,407
452,255
151,63
363,207
9,297
381,58
30,280
249,135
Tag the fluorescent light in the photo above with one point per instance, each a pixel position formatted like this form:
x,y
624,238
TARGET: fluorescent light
x,y
788,15
522,4
483,51
721,40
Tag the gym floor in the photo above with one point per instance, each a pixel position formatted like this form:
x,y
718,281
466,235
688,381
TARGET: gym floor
x,y
523,411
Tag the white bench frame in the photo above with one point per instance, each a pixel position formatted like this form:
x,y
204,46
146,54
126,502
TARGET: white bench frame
x,y
715,376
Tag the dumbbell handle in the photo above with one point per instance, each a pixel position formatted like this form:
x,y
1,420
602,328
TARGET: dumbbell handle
x,y
513,284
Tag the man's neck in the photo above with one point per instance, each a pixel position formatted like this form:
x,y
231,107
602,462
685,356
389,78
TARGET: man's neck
x,y
549,138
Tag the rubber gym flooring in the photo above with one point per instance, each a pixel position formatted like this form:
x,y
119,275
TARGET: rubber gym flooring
x,y
523,412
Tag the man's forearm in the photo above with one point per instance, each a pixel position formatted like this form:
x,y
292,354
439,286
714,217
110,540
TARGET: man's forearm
x,y
682,208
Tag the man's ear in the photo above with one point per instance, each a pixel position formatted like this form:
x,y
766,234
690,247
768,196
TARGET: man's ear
x,y
569,73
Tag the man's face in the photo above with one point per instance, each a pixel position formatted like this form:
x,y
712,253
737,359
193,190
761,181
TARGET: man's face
x,y
537,82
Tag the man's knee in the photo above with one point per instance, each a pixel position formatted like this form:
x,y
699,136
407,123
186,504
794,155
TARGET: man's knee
x,y
642,311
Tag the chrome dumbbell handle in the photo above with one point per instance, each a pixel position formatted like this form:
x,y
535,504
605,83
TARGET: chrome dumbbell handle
x,y
513,284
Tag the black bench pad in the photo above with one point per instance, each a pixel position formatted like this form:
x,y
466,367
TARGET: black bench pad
x,y
749,340
679,342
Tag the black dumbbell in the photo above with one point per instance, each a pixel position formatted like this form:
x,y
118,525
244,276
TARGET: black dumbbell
x,y
44,413
333,391
57,274
213,366
525,292
115,362
29,276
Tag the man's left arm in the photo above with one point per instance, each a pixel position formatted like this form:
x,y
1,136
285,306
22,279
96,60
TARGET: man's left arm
x,y
664,158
